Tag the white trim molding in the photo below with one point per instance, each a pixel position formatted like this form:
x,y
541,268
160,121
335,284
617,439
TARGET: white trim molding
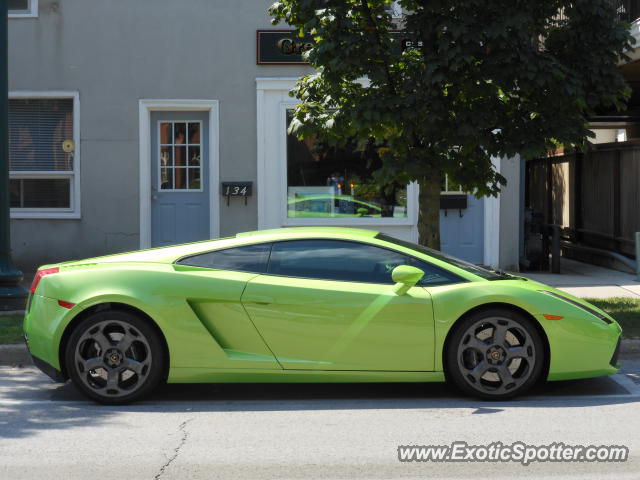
x,y
31,12
272,97
492,225
145,107
74,212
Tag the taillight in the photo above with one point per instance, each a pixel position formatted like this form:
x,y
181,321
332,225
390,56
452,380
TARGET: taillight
x,y
40,274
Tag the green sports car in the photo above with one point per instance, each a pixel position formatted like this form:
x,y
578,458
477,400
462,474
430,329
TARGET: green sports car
x,y
307,305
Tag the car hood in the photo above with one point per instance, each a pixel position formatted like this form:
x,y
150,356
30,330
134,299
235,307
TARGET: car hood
x,y
533,285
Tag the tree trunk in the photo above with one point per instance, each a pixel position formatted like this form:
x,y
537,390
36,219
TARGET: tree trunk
x,y
429,212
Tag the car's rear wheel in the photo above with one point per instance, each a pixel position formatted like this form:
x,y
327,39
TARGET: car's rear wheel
x,y
115,357
495,354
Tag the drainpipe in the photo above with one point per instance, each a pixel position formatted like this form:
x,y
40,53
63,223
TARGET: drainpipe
x,y
12,294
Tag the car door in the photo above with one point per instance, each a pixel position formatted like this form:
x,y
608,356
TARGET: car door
x,y
328,305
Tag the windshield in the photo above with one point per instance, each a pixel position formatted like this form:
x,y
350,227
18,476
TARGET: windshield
x,y
469,267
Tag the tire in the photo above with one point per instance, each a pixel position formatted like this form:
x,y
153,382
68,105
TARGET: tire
x,y
495,355
115,357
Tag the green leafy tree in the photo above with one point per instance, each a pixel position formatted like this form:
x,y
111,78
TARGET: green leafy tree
x,y
482,79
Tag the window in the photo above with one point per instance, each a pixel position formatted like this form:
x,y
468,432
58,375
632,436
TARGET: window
x,y
469,267
43,156
346,261
395,9
180,165
23,8
251,258
449,186
329,182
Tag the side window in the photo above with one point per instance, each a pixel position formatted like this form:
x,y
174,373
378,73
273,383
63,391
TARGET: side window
x,y
334,260
433,276
250,258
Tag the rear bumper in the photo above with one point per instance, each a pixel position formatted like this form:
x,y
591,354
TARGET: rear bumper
x,y
55,375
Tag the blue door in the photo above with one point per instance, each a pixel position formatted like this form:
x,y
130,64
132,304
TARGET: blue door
x,y
180,210
462,231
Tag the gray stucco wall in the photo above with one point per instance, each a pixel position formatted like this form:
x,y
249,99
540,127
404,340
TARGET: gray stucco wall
x,y
119,51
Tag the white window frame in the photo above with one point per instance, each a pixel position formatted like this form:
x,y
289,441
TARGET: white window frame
x,y
412,193
446,190
31,12
73,212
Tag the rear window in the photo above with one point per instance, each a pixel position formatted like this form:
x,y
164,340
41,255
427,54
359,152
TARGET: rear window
x,y
249,258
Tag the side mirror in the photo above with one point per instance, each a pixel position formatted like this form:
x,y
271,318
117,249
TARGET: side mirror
x,y
405,277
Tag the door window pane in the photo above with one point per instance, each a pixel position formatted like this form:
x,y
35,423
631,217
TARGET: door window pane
x,y
180,165
333,260
166,133
346,261
180,133
194,156
250,258
194,133
329,182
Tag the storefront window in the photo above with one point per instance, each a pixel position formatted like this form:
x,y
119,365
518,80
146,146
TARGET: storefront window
x,y
329,182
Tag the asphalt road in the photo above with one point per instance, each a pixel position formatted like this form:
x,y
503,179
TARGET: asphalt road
x,y
48,430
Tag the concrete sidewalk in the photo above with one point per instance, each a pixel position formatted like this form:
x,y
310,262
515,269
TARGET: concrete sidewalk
x,y
585,280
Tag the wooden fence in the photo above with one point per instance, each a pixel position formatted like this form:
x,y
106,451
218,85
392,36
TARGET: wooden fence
x,y
594,197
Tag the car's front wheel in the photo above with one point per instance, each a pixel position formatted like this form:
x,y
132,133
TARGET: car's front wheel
x,y
115,357
495,354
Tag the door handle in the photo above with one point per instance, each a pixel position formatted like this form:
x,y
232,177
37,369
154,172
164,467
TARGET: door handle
x,y
260,299
154,197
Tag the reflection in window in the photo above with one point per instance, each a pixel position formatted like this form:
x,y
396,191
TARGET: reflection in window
x,y
250,258
347,261
329,182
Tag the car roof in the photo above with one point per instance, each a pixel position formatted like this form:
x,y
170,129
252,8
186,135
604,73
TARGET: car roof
x,y
169,254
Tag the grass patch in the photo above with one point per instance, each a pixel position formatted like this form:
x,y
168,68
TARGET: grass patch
x,y
11,329
626,311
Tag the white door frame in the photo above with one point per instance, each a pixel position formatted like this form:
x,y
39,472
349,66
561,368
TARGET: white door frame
x,y
145,107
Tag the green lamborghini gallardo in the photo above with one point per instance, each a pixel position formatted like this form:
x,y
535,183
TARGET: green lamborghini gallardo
x,y
307,305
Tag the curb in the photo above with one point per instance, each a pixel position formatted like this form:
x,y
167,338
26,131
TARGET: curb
x,y
15,354
18,355
630,347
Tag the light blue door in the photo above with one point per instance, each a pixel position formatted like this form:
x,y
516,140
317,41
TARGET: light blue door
x,y
180,210
462,231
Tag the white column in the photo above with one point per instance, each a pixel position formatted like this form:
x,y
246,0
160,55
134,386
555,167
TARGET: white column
x,y
492,226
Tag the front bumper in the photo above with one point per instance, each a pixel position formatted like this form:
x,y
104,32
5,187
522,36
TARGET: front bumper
x,y
582,347
616,353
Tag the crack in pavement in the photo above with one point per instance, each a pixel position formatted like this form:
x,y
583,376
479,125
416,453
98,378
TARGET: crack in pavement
x,y
176,451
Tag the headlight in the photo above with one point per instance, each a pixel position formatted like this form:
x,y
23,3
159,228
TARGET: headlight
x,y
579,305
